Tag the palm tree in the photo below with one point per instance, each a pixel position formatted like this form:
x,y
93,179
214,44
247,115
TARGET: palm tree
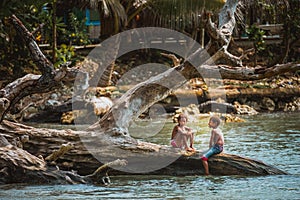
x,y
178,14
115,16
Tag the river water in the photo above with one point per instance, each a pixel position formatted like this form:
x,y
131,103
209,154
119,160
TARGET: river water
x,y
272,138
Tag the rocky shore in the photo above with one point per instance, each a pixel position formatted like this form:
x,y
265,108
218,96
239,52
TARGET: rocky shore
x,y
281,94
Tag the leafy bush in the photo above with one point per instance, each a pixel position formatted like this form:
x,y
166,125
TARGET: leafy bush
x,y
256,35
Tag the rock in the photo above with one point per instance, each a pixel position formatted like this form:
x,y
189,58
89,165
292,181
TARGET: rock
x,y
244,109
27,112
95,106
254,105
214,106
3,141
231,118
52,102
192,111
293,105
268,104
101,105
70,117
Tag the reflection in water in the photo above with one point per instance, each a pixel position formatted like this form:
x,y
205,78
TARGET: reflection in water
x,y
272,138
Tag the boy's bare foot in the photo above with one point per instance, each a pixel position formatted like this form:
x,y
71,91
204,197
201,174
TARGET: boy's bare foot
x,y
190,149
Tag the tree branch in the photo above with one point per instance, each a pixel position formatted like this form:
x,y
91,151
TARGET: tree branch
x,y
176,61
255,73
99,171
221,34
31,84
64,148
45,66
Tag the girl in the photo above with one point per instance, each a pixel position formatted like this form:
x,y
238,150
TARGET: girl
x,y
181,134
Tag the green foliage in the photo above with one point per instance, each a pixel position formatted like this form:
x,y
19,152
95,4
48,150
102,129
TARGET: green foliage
x,y
256,35
14,55
76,32
64,54
293,17
291,28
45,17
15,58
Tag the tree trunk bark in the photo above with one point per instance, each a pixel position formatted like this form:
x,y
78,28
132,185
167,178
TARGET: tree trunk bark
x,y
220,35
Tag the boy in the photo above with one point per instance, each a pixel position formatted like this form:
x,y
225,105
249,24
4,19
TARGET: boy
x,y
216,142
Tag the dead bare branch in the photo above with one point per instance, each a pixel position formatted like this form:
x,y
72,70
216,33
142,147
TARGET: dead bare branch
x,y
176,61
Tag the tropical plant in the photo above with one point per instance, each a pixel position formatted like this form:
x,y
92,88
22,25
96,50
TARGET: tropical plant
x,y
291,27
13,53
115,15
75,32
64,54
256,36
37,16
45,17
179,14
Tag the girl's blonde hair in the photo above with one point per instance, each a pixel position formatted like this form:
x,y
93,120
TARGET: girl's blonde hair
x,y
180,116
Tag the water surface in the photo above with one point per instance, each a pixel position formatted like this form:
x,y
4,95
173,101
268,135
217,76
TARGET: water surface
x,y
272,138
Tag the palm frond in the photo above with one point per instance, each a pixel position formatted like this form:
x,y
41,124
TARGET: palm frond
x,y
177,14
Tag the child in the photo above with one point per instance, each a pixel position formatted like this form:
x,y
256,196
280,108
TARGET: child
x,y
216,142
181,134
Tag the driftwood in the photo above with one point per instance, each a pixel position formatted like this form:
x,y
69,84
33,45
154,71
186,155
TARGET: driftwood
x,y
64,148
213,106
16,162
19,166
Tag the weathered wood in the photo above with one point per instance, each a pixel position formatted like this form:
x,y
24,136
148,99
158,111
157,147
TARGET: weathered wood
x,y
176,61
30,83
221,34
213,106
64,148
19,166
44,142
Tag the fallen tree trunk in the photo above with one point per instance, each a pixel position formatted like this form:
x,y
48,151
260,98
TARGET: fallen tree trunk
x,y
140,155
19,166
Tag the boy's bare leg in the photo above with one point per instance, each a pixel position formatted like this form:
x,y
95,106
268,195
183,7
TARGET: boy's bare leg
x,y
205,165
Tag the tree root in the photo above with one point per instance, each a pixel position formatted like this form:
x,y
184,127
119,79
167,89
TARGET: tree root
x,y
64,148
102,172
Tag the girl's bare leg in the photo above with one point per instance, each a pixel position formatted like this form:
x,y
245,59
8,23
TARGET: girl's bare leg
x,y
184,141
